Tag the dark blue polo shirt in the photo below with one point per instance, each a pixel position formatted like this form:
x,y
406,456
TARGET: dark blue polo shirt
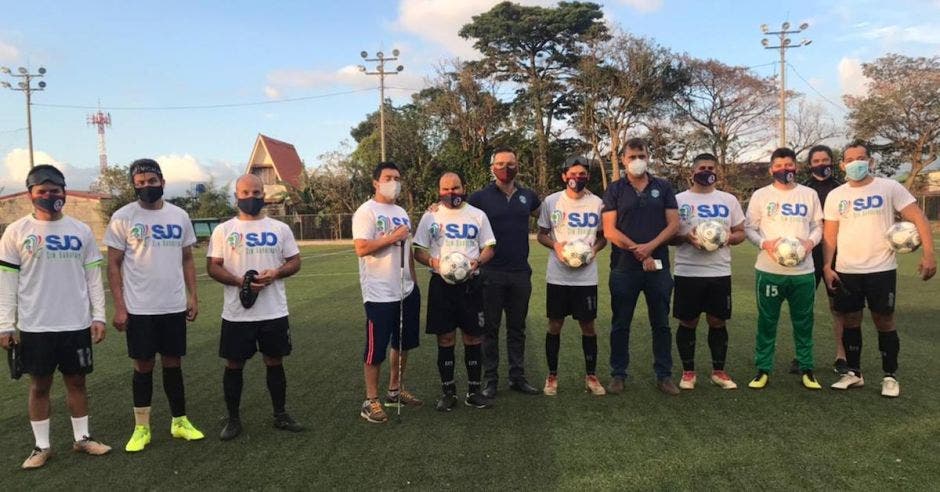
x,y
641,216
509,218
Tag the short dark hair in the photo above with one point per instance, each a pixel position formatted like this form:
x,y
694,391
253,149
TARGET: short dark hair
x,y
500,150
818,148
704,156
782,152
43,173
576,160
141,166
858,143
635,143
377,172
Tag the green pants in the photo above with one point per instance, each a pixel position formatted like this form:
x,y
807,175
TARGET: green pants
x,y
800,293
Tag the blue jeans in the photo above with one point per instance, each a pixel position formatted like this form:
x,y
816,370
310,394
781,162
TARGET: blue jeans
x,y
625,288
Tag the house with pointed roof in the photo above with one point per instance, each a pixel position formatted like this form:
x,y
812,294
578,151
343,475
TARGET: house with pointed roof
x,y
276,163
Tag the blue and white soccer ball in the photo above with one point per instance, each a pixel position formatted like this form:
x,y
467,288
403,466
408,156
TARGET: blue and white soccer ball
x,y
790,252
577,253
454,268
903,237
711,234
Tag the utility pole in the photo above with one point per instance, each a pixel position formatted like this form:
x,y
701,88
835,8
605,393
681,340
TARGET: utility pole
x,y
25,86
783,46
380,71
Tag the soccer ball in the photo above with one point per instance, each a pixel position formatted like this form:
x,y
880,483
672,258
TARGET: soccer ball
x,y
454,268
903,237
790,252
577,253
711,234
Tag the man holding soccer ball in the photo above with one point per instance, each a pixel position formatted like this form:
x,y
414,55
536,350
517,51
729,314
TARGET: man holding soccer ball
x,y
453,302
858,214
703,277
567,217
781,217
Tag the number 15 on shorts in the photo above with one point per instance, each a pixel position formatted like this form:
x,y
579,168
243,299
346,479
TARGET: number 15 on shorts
x,y
770,290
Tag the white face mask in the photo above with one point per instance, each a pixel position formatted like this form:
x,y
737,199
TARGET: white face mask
x,y
390,189
857,170
637,167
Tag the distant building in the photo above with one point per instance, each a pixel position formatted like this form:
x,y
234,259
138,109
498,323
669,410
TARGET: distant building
x,y
276,163
82,205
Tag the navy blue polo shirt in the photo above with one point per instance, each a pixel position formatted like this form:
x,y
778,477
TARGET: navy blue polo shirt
x,y
509,218
641,216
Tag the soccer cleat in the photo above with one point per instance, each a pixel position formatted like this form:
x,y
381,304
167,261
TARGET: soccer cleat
x,y
890,387
446,403
89,445
615,386
284,421
233,427
840,366
809,381
182,428
477,400
372,411
722,380
849,380
594,386
403,398
759,381
139,439
688,380
551,385
667,387
37,458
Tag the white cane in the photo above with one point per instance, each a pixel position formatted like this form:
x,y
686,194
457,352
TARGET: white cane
x,y
401,324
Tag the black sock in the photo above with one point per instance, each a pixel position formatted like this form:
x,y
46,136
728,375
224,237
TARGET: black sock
x,y
589,346
277,386
175,391
852,342
889,345
718,343
142,387
471,357
232,388
552,345
685,343
445,366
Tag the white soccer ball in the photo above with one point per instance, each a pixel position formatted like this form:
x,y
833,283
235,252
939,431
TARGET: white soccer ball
x,y
454,268
577,253
903,237
790,252
711,234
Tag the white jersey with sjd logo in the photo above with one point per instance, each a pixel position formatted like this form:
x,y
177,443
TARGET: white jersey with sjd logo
x,y
379,272
775,213
152,242
864,214
465,230
695,208
571,219
257,245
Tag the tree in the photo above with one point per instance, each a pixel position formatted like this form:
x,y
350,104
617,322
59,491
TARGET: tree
x,y
808,126
213,202
900,115
115,182
537,48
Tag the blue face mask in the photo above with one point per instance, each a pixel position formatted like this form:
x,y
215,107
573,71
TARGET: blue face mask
x,y
856,170
784,176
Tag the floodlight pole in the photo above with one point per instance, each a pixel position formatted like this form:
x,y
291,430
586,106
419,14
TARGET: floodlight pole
x,y
783,46
381,72
26,87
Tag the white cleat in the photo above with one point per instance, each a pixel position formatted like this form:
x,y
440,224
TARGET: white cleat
x,y
848,380
890,387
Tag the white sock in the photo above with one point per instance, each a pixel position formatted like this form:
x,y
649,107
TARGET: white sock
x,y
80,427
41,432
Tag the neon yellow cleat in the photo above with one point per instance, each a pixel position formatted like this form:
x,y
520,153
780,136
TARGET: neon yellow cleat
x,y
809,381
182,428
759,381
139,439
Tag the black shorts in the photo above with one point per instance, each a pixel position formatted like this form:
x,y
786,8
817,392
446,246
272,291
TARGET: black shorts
x,y
577,301
241,339
818,268
69,351
382,327
455,306
149,334
693,296
879,289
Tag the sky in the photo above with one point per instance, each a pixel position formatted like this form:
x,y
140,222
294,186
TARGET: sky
x,y
288,68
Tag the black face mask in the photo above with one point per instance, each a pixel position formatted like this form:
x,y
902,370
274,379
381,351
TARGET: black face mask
x,y
705,178
577,184
784,176
149,194
823,171
52,204
251,206
453,200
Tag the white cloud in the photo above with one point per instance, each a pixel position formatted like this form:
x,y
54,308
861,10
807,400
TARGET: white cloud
x,y
181,171
271,92
895,34
15,167
349,76
851,78
8,52
643,5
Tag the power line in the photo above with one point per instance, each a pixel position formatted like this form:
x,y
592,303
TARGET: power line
x,y
206,106
15,130
820,94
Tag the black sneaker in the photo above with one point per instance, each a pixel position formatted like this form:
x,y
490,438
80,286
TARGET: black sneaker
x,y
477,400
284,421
446,403
794,366
840,366
233,427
